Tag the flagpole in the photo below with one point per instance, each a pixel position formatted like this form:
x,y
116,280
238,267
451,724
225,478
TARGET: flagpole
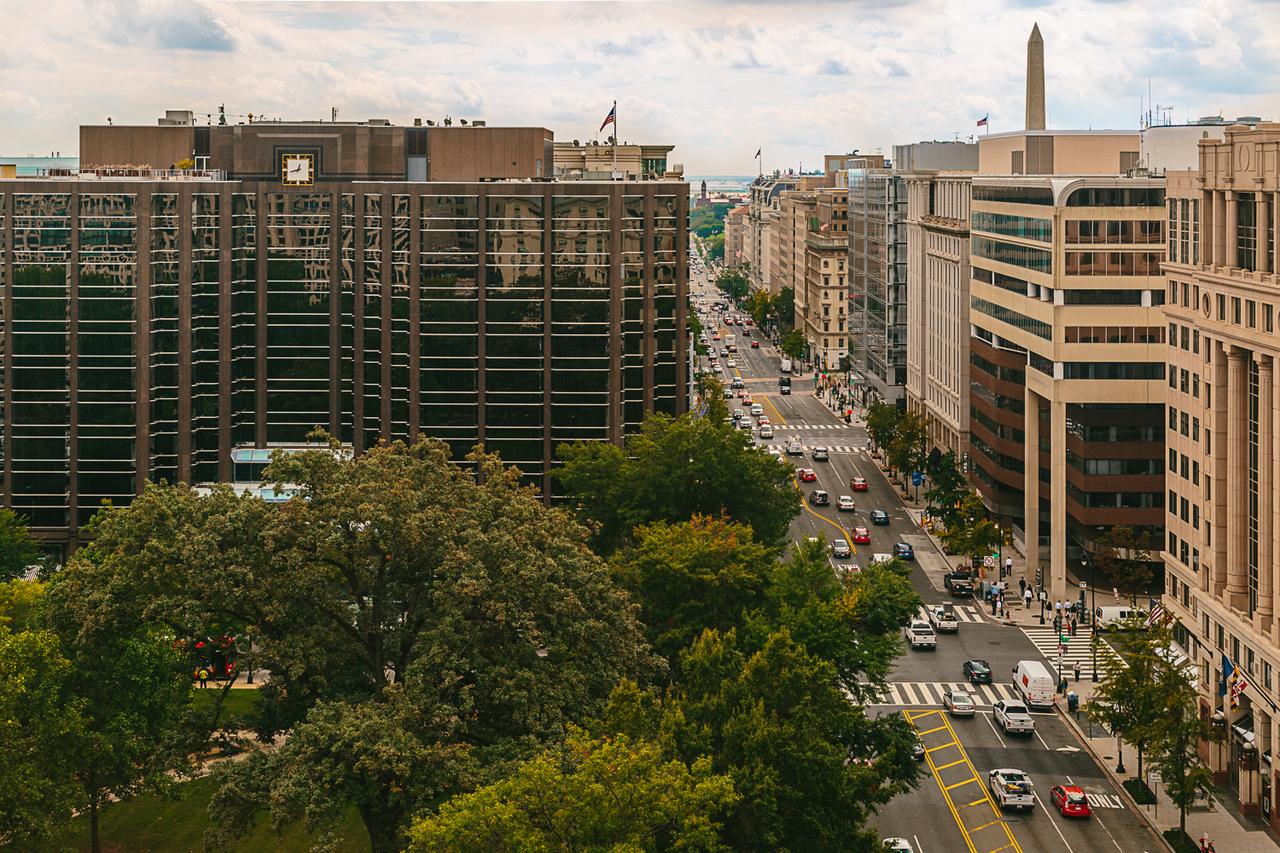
x,y
615,137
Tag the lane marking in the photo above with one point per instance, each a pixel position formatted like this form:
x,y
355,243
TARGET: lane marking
x,y
1054,823
776,413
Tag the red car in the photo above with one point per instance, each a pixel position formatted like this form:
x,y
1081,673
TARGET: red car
x,y
1070,801
747,321
807,475
755,345
861,536
858,484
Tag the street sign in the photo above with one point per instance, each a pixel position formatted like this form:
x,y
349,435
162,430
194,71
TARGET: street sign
x,y
916,478
989,562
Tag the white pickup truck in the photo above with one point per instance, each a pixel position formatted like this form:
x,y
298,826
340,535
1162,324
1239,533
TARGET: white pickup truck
x,y
943,618
919,635
1012,788
1013,717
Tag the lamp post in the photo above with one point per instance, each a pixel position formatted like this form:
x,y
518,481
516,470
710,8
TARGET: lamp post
x,y
1220,732
1119,753
1087,562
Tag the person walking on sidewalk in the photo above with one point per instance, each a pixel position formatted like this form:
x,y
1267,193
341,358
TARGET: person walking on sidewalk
x,y
1026,598
1075,670
1071,631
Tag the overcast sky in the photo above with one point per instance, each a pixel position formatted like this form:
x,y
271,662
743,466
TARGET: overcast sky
x,y
716,79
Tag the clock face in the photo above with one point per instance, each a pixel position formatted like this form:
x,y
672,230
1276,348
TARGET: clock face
x,y
297,169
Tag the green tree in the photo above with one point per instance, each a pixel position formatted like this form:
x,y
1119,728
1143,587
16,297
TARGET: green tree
x,y
810,766
41,728
882,423
714,246
695,331
1177,739
793,344
20,604
672,470
909,449
424,624
948,486
1131,696
693,575
19,552
733,283
784,306
972,534
588,794
762,307
1124,555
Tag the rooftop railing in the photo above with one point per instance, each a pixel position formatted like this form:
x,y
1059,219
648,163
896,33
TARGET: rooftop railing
x,y
131,173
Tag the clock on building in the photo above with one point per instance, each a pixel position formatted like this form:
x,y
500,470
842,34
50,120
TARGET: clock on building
x,y
298,169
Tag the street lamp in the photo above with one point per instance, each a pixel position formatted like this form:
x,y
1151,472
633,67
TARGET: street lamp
x,y
1220,731
1119,749
1087,562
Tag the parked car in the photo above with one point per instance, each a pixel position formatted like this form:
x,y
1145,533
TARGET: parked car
x,y
1013,717
959,582
919,635
844,503
977,672
880,517
1012,788
819,498
959,703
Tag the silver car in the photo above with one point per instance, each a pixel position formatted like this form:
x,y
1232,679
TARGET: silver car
x,y
959,703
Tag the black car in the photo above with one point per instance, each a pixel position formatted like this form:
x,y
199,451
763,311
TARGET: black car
x,y
819,498
977,672
879,516
903,551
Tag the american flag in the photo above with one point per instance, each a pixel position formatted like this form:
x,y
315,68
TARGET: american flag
x,y
609,119
982,122
1157,615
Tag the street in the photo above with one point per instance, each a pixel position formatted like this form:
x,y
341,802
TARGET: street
x,y
951,810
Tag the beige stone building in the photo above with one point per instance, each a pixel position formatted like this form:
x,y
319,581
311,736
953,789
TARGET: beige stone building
x,y
938,305
825,286
787,235
759,234
735,225
1223,441
592,162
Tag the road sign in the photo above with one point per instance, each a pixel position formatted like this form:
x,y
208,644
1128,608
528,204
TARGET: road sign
x,y
989,562
916,478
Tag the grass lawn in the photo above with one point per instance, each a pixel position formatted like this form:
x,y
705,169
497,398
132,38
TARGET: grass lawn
x,y
152,825
237,705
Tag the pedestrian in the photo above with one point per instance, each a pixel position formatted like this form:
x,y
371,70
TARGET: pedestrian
x,y
1203,845
1057,624
1008,566
204,678
1026,599
1072,632
1075,670
1022,585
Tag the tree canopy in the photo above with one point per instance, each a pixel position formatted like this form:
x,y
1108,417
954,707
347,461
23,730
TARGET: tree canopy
x,y
733,283
672,470
793,344
423,623
18,550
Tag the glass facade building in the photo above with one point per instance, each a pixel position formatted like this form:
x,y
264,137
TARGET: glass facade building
x,y
878,284
151,328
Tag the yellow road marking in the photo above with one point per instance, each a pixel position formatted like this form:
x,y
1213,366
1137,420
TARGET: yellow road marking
x,y
774,409
943,746
935,771
952,764
931,731
804,501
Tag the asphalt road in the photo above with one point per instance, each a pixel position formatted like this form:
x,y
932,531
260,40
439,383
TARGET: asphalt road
x,y
949,810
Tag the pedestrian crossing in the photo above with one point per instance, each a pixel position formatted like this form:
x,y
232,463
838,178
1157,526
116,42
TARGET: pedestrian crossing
x,y
1078,650
813,426
831,448
964,612
914,694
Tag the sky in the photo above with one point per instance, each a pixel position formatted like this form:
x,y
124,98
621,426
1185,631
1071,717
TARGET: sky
x,y
716,79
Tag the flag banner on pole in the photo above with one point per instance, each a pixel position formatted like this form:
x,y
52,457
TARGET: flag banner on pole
x,y
610,118
1157,615
1227,670
1239,685
982,122
758,150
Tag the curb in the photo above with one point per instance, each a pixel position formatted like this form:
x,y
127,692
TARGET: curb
x,y
1124,792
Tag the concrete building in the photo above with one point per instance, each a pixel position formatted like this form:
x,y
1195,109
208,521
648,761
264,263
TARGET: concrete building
x,y
592,162
877,283
938,305
158,325
1173,147
1222,428
735,225
757,238
825,303
796,209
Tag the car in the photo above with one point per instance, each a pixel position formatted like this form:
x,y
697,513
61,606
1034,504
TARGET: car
x,y
919,635
819,498
731,364
795,448
737,415
776,453
977,672
959,582
903,551
1011,788
858,484
808,475
917,749
959,703
737,383
747,322
1013,717
840,548
820,454
743,394
861,536
880,517
943,617
897,845
1070,801
716,336
755,345
728,393
763,420
745,423
746,398
844,503
766,431
724,352
757,409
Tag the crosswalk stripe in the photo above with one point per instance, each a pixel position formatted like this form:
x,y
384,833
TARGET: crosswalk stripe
x,y
1078,651
964,613
929,693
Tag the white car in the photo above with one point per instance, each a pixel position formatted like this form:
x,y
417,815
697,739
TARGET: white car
x,y
766,431
757,410
919,635
840,548
898,845
844,503
731,364
1012,788
959,703
1013,717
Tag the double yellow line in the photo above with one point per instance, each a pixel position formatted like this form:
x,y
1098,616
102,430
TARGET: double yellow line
x,y
949,791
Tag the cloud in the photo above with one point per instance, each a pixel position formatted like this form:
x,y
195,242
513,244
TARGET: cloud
x,y
17,106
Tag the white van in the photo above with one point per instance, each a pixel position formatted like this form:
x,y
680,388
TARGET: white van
x,y
1032,680
1114,616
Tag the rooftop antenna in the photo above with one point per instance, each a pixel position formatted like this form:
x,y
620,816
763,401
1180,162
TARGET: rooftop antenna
x,y
333,114
222,114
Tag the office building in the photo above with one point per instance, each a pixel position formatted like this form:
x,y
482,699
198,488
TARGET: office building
x,y
786,241
600,162
877,283
762,212
1223,436
159,322
826,300
735,224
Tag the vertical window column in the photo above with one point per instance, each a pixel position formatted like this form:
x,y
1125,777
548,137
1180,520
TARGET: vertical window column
x,y
1266,490
1236,480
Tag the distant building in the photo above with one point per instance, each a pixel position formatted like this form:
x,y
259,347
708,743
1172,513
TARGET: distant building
x,y
758,237
877,283
591,162
826,301
8,170
735,224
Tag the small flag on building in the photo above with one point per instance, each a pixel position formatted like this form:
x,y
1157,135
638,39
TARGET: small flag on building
x,y
610,118
1156,616
982,122
758,150
1239,685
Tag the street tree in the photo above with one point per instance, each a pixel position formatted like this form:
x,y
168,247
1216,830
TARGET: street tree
x,y
19,552
1131,696
882,423
973,534
1177,739
671,470
424,623
761,307
909,449
1124,555
611,793
693,575
793,344
20,605
733,283
784,305
948,487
